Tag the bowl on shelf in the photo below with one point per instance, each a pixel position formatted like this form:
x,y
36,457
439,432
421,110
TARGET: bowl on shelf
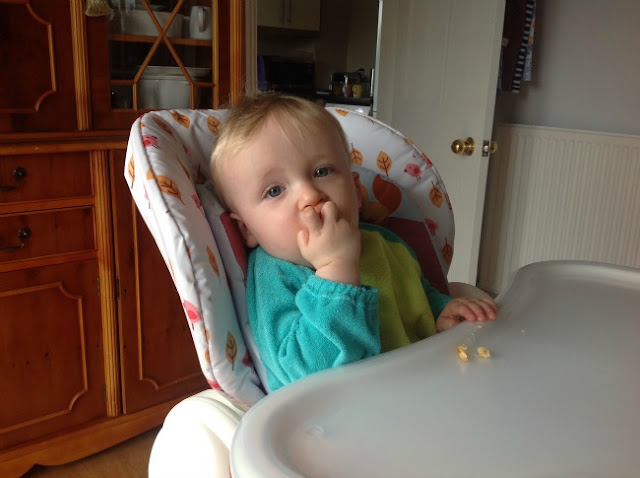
x,y
138,22
166,87
194,72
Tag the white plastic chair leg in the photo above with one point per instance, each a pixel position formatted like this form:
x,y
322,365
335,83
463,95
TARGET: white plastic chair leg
x,y
195,438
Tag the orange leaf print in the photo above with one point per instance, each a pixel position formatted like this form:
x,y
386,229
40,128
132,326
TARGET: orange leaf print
x,y
342,112
447,252
184,168
213,261
356,156
435,195
131,169
231,349
163,125
446,198
387,193
167,186
384,162
212,124
408,141
207,356
181,119
207,335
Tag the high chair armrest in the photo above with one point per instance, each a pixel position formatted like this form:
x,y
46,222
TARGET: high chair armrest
x,y
461,289
195,438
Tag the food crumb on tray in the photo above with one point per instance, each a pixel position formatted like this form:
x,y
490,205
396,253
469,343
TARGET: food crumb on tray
x,y
463,352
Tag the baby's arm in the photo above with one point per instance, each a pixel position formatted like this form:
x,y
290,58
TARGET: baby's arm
x,y
331,244
303,324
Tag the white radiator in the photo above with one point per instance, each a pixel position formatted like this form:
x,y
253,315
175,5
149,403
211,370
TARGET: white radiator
x,y
559,194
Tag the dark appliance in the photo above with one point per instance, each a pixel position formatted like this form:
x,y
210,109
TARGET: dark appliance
x,y
290,75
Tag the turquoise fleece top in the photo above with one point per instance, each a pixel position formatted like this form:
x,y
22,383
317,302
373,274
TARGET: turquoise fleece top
x,y
303,324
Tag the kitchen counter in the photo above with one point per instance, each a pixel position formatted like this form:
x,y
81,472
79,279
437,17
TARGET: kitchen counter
x,y
329,98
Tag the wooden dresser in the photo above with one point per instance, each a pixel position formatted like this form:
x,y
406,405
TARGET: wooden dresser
x,y
94,347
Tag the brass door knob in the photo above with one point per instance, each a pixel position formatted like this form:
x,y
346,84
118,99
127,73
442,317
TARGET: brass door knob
x,y
463,146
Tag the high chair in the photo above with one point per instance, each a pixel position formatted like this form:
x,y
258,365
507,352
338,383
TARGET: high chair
x,y
167,169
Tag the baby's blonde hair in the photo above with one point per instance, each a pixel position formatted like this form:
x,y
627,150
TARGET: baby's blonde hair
x,y
294,114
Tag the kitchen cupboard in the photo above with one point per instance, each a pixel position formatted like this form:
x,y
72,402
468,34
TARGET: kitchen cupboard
x,y
292,14
94,347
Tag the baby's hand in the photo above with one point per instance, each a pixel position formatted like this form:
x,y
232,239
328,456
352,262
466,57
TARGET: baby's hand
x,y
462,308
331,244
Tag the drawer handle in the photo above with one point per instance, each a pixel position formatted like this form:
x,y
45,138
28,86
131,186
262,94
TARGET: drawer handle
x,y
18,174
23,234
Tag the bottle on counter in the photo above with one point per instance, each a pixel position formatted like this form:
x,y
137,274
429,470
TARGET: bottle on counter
x,y
347,88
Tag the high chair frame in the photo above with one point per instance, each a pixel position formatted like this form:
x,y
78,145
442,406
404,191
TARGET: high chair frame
x,y
167,169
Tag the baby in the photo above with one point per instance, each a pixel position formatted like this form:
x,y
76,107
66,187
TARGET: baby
x,y
322,289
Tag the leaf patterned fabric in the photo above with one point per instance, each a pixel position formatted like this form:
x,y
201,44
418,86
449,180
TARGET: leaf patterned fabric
x,y
167,170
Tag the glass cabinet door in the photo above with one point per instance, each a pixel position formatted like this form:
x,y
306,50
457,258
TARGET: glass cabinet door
x,y
161,54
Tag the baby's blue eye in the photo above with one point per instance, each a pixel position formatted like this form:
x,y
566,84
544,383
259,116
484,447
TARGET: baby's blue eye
x,y
322,172
274,191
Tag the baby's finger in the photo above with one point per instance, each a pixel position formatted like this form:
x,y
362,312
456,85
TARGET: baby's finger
x,y
329,212
311,219
488,308
482,309
466,308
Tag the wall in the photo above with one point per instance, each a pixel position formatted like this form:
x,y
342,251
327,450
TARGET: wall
x,y
363,32
347,41
331,51
585,68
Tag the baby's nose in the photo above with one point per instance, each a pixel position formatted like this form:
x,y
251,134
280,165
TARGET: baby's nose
x,y
310,196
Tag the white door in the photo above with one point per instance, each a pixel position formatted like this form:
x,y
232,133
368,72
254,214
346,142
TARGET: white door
x,y
437,77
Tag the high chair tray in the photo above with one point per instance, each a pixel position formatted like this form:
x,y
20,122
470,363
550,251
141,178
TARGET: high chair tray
x,y
558,397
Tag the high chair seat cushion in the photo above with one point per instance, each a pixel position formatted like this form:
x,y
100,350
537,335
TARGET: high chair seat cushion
x,y
167,157
401,170
405,221
167,169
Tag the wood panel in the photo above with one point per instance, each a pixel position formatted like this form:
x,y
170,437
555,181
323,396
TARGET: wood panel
x,y
35,35
158,358
50,351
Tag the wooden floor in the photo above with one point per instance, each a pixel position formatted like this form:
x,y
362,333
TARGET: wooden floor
x,y
127,460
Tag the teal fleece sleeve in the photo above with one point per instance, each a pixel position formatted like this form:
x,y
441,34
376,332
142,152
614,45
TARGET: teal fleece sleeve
x,y
303,324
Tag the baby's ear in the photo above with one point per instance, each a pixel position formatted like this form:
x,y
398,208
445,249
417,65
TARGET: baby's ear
x,y
249,239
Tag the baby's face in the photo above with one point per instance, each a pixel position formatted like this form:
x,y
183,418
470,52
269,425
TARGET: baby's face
x,y
270,182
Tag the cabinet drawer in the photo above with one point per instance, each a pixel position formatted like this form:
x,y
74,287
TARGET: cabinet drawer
x,y
49,233
39,177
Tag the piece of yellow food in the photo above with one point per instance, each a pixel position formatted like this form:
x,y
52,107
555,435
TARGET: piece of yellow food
x,y
484,352
462,352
